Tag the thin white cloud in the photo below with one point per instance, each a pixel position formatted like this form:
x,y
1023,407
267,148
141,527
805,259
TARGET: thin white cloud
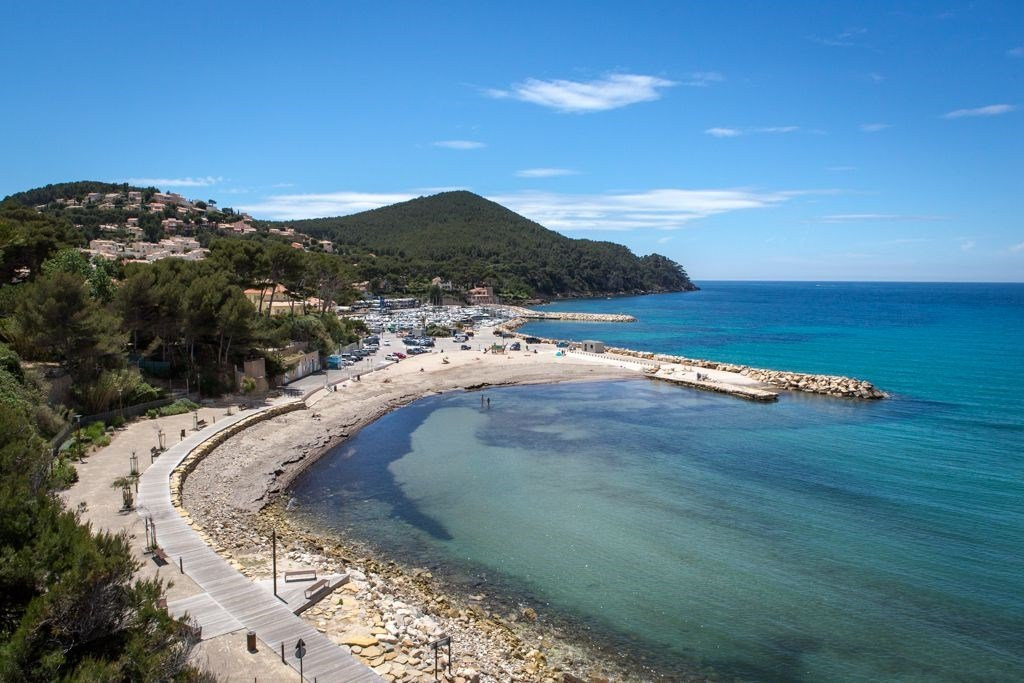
x,y
459,144
545,172
663,240
874,127
660,209
848,38
297,206
990,110
1017,248
611,92
1016,52
176,182
890,217
282,185
875,77
702,79
725,132
721,132
967,245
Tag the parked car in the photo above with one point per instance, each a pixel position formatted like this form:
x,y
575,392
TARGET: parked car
x,y
562,344
515,346
532,340
399,355
466,347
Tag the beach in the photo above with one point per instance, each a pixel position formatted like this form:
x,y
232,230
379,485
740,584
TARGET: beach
x,y
387,613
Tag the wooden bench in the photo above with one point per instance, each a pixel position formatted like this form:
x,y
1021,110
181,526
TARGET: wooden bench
x,y
317,587
300,575
159,554
200,424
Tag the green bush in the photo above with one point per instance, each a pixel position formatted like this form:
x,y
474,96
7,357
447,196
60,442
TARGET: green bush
x,y
179,407
64,474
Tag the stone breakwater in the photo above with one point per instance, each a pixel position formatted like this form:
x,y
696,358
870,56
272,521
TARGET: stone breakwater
x,y
828,385
525,315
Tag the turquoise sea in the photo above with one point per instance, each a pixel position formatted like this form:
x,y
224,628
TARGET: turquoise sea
x,y
813,539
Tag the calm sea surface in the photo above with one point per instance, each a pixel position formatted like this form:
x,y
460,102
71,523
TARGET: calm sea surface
x,y
809,540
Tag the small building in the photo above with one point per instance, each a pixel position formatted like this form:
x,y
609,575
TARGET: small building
x,y
592,346
482,296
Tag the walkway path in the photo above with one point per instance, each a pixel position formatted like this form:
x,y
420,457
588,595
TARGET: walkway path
x,y
252,606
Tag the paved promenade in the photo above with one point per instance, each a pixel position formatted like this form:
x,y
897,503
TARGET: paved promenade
x,y
249,604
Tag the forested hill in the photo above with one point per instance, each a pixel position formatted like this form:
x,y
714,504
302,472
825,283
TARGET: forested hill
x,y
468,239
73,190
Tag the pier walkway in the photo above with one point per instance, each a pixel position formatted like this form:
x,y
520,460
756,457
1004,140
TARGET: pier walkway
x,y
230,597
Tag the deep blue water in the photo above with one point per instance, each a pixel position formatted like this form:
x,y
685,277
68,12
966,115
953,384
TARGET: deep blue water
x,y
812,539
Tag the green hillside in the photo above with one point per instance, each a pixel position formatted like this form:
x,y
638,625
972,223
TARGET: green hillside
x,y
468,239
73,190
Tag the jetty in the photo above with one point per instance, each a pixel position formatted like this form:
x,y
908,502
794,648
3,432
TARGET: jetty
x,y
696,380
524,315
743,376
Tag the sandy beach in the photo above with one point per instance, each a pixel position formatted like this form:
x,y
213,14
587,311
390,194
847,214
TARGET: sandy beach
x,y
388,613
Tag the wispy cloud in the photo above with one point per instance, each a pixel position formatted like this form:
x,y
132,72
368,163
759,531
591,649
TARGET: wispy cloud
x,y
1016,52
967,245
204,181
875,77
721,132
663,240
660,209
296,206
702,79
874,127
990,110
726,132
611,92
848,38
1017,248
545,172
889,217
459,144
282,185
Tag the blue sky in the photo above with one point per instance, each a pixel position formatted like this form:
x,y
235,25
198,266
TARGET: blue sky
x,y
842,141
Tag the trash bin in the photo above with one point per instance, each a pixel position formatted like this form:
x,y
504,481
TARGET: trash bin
x,y
250,641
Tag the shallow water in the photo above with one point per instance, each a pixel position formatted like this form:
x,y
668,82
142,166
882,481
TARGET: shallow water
x,y
812,539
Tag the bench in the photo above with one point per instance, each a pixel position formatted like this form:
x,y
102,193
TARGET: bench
x,y
200,424
159,554
300,575
317,587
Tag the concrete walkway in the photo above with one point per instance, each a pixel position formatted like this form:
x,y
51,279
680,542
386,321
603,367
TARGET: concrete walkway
x,y
229,591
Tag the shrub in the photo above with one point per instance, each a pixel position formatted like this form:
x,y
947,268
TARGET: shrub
x,y
179,407
64,474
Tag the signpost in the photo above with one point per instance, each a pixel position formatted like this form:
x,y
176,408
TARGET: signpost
x,y
446,641
300,652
